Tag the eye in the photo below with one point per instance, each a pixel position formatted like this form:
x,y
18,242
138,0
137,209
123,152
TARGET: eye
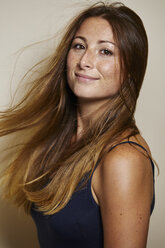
x,y
78,46
106,52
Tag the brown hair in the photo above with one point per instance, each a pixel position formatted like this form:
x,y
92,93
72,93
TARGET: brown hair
x,y
48,167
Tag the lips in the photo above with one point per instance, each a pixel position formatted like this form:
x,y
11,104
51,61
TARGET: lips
x,y
84,77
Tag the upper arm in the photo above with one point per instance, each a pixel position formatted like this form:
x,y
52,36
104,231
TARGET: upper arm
x,y
125,197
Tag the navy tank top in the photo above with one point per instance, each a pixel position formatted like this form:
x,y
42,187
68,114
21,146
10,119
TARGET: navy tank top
x,y
78,224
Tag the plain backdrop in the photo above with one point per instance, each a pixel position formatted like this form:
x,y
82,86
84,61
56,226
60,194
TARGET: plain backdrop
x,y
23,22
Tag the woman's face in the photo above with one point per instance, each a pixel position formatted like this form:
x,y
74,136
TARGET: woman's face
x,y
93,69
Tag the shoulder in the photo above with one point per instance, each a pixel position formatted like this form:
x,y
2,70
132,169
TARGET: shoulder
x,y
124,192
127,158
125,169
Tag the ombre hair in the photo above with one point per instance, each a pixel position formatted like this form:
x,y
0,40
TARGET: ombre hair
x,y
47,169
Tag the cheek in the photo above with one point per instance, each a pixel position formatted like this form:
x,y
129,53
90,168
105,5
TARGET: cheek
x,y
109,69
111,77
71,60
69,67
71,63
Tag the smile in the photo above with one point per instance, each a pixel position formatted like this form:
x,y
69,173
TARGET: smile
x,y
85,78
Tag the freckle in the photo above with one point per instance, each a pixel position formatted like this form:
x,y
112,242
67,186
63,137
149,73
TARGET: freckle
x,y
140,219
121,214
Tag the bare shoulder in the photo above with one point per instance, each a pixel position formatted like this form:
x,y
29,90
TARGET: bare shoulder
x,y
125,191
128,157
128,165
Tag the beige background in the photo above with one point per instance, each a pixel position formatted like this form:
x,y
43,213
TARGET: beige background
x,y
24,22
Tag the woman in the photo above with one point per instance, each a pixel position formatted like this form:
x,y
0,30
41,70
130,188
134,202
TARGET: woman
x,y
85,173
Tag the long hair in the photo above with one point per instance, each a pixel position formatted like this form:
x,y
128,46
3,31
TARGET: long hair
x,y
47,169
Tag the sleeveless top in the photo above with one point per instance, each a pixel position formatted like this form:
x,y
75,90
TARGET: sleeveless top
x,y
78,224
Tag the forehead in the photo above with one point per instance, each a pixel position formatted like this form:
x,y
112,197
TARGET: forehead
x,y
96,27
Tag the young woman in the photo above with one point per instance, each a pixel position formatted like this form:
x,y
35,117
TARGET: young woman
x,y
85,173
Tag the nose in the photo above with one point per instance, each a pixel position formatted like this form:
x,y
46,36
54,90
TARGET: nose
x,y
87,60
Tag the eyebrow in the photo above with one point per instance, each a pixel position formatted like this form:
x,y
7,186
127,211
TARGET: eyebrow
x,y
100,41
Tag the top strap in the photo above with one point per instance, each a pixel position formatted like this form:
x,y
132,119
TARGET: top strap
x,y
152,164
126,142
129,142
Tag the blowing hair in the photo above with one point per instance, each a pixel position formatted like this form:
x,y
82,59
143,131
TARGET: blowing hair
x,y
48,167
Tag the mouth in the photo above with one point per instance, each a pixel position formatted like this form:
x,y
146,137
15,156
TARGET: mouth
x,y
85,78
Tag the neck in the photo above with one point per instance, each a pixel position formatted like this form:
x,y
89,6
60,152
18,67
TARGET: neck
x,y
87,113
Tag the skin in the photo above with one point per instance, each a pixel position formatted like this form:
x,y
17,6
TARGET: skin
x,y
122,184
93,69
